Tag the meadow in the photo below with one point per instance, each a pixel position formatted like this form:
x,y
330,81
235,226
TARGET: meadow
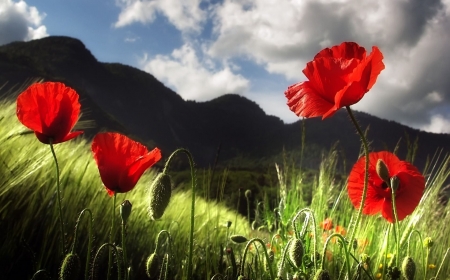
x,y
62,214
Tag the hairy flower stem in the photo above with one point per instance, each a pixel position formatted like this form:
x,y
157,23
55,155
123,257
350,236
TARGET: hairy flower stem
x,y
346,252
124,249
61,222
97,256
193,183
421,242
309,214
283,257
88,257
111,236
247,247
395,229
366,172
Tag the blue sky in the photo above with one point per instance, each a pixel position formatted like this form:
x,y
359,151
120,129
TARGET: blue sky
x,y
257,48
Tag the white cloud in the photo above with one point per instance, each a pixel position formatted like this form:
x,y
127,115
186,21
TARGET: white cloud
x,y
194,79
20,22
438,124
185,15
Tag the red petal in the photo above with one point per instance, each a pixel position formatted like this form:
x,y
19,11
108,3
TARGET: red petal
x,y
346,50
304,101
50,109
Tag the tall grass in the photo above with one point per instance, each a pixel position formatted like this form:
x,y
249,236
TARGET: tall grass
x,y
29,235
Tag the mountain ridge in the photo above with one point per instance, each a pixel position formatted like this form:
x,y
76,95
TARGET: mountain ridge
x,y
128,100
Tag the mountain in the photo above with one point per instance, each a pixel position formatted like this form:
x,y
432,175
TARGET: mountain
x,y
231,128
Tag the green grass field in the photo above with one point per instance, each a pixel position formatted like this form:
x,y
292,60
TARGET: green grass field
x,y
30,235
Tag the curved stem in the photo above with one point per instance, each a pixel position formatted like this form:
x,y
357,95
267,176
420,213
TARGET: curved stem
x,y
344,245
88,257
265,253
61,222
283,257
311,215
366,173
421,242
193,181
112,248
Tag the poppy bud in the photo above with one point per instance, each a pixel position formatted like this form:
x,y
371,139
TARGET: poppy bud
x,y
125,211
248,194
408,268
296,252
322,274
238,239
70,268
428,242
152,266
383,171
228,224
365,258
395,182
160,193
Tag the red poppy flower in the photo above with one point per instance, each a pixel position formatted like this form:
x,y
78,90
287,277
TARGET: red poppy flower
x,y
121,161
379,198
338,77
327,224
51,110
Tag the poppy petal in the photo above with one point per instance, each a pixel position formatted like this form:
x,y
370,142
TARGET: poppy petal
x,y
304,101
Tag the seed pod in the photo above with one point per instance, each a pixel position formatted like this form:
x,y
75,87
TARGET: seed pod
x,y
160,193
125,211
383,171
322,275
152,266
296,252
70,268
238,239
408,268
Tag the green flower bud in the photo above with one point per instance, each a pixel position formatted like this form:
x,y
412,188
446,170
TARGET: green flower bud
x,y
408,268
152,266
428,242
395,183
296,252
125,210
383,171
322,275
238,239
248,194
70,268
160,193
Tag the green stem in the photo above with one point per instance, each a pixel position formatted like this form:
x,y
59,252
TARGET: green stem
x,y
61,222
283,257
442,263
193,182
395,227
421,242
111,236
366,173
272,277
97,256
301,236
124,249
344,245
88,257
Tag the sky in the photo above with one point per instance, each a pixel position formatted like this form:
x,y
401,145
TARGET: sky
x,y
257,48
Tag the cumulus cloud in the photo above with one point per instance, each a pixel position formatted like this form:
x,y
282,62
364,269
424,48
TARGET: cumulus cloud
x,y
192,78
20,22
281,36
185,15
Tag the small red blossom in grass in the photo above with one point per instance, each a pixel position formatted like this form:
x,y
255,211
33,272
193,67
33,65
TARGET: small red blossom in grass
x,y
379,199
338,77
51,110
341,230
327,224
121,161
